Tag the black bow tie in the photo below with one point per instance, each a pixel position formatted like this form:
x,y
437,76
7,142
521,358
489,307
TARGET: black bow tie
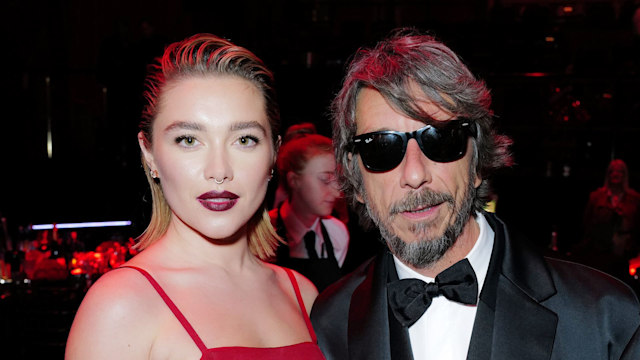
x,y
410,298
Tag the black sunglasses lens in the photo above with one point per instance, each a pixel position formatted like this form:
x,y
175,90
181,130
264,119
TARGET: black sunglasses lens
x,y
445,144
381,152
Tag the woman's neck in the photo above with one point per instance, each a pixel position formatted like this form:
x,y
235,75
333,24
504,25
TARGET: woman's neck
x,y
616,189
183,245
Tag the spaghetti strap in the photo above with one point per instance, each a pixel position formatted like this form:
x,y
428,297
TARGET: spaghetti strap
x,y
178,314
303,309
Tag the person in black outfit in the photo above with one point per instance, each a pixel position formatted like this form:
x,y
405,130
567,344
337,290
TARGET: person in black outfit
x,y
316,242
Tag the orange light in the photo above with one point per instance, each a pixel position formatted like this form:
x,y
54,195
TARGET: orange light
x,y
567,9
549,39
632,271
76,271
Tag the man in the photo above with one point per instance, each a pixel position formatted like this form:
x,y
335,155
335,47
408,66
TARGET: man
x,y
415,146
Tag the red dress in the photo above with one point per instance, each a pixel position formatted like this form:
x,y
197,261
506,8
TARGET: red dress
x,y
306,350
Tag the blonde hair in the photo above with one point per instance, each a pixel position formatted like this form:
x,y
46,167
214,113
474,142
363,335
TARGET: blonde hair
x,y
203,55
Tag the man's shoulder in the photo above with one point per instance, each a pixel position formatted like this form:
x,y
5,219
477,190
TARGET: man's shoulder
x,y
591,286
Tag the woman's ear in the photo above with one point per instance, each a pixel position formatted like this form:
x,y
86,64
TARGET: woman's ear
x,y
276,149
146,152
292,180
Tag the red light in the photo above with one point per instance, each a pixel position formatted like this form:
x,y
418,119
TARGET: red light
x,y
634,264
607,96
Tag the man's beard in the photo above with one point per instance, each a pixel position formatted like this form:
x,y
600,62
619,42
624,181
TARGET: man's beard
x,y
428,249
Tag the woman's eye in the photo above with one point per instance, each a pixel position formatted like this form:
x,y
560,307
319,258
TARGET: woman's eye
x,y
248,140
327,179
187,141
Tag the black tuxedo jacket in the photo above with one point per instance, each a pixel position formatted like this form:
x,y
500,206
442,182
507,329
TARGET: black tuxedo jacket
x,y
530,307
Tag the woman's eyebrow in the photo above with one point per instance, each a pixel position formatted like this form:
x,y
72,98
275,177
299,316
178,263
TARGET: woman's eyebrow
x,y
247,125
184,125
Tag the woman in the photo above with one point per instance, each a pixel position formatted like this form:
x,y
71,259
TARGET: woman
x,y
611,221
317,242
199,287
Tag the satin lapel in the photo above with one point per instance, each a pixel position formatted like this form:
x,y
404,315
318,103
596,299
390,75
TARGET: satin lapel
x,y
523,329
368,333
482,335
369,336
510,316
481,338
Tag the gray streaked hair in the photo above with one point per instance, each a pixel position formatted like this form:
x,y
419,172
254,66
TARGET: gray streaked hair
x,y
395,67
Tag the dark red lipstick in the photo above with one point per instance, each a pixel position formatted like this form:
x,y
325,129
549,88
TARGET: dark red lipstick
x,y
217,200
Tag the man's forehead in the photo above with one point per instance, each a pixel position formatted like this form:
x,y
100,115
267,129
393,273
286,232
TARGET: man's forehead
x,y
371,104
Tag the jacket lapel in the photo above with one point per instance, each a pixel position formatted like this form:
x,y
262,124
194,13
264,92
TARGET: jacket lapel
x,y
369,322
510,322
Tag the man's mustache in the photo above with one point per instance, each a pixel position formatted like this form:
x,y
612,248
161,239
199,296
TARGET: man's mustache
x,y
424,198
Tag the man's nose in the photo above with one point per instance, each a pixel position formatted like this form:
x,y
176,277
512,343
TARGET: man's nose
x,y
414,167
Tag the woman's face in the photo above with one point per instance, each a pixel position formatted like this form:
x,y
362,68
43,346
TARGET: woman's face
x,y
616,173
213,152
315,188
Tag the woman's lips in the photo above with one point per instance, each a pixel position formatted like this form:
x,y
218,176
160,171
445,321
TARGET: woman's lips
x,y
218,201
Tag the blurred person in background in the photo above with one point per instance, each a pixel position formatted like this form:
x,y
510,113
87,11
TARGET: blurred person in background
x,y
316,242
611,221
293,132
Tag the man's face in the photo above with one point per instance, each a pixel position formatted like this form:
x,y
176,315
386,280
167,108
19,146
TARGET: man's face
x,y
421,206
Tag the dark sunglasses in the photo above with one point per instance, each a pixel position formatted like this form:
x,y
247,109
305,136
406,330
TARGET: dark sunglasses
x,y
384,150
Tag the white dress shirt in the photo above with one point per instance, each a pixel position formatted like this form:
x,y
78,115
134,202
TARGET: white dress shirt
x,y
444,330
296,230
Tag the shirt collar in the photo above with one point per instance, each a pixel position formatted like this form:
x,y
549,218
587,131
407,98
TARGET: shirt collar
x,y
478,257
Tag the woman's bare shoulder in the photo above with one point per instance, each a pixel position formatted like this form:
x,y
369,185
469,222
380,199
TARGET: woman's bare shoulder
x,y
115,319
308,291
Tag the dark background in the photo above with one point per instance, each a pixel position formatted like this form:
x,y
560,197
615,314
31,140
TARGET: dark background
x,y
565,86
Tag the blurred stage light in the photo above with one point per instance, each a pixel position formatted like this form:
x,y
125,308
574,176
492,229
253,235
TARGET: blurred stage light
x,y
81,225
